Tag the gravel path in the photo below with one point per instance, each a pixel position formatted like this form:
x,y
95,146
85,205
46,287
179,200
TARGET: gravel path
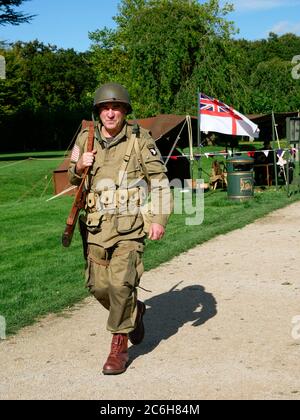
x,y
218,326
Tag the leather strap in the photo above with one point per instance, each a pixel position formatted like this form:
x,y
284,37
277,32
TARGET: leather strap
x,y
90,144
89,148
104,263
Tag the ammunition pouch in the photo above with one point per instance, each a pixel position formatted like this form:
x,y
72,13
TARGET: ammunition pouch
x,y
125,204
93,221
115,201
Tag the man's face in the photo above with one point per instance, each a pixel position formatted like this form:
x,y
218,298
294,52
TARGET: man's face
x,y
112,116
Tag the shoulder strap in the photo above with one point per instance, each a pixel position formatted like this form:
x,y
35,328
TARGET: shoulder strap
x,y
141,161
127,155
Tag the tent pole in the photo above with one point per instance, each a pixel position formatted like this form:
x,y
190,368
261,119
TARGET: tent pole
x,y
175,143
190,133
274,151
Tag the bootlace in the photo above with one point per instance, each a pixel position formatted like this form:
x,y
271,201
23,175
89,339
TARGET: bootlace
x,y
116,344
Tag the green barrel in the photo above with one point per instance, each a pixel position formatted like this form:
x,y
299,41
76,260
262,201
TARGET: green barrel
x,y
240,178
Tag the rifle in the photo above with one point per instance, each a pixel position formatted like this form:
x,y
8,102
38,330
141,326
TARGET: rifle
x,y
79,201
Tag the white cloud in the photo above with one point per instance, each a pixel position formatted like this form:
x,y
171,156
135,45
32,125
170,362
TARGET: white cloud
x,y
285,26
254,5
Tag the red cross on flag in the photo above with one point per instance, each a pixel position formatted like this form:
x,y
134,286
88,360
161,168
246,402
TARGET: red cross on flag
x,y
220,118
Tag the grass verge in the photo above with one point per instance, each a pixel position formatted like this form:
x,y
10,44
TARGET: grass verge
x,y
39,276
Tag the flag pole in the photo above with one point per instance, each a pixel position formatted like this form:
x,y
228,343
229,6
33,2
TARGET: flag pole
x,y
194,169
198,161
199,121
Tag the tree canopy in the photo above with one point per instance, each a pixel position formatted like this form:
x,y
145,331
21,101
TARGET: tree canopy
x,y
158,44
163,52
47,92
9,14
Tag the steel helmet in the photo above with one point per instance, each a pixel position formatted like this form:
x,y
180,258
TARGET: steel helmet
x,y
112,92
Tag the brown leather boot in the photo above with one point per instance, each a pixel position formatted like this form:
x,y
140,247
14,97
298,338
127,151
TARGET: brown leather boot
x,y
137,335
118,358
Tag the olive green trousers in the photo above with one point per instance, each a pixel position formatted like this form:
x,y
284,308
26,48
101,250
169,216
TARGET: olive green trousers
x,y
112,276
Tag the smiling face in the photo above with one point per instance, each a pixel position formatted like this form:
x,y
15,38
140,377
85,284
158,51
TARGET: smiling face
x,y
112,116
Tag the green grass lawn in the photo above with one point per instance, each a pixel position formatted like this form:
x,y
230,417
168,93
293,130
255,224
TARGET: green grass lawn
x,y
38,275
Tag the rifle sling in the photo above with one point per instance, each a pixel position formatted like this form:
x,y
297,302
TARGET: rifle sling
x,y
90,147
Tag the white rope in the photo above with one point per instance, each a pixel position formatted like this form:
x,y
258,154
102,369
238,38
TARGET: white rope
x,y
62,193
48,159
280,160
15,163
30,159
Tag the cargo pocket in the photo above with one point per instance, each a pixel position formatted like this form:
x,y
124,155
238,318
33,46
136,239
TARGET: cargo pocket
x,y
96,275
128,222
139,265
129,256
136,268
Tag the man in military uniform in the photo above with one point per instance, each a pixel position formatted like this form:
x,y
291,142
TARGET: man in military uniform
x,y
121,164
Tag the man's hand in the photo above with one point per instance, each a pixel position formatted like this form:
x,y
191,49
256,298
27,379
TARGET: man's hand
x,y
86,160
156,232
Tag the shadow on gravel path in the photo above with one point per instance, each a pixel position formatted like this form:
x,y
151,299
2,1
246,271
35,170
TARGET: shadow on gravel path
x,y
167,312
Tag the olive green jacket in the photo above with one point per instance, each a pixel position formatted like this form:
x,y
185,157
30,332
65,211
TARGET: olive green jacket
x,y
106,229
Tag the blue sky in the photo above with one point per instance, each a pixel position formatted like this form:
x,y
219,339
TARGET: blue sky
x,y
66,23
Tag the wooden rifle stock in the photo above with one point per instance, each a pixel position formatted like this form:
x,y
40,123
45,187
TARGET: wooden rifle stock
x,y
78,204
79,201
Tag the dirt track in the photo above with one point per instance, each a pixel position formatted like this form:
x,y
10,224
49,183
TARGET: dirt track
x,y
218,326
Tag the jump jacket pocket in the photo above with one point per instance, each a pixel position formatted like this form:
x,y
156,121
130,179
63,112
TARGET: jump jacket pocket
x,y
128,222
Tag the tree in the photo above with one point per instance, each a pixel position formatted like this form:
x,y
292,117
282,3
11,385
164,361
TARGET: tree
x,y
273,88
46,93
266,68
45,76
159,42
8,14
221,71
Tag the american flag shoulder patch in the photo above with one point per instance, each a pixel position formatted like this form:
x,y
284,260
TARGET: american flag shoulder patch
x,y
75,154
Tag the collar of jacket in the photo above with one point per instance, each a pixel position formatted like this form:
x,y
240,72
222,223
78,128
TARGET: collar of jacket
x,y
124,133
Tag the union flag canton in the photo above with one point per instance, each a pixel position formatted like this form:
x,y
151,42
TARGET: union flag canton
x,y
212,106
218,117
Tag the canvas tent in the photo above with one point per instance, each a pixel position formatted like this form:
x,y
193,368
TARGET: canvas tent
x,y
172,130
264,121
171,133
